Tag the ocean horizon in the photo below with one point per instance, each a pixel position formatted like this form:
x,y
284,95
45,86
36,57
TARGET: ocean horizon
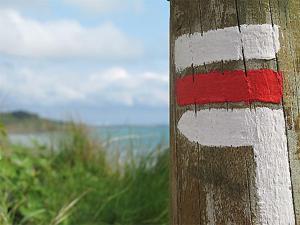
x,y
138,138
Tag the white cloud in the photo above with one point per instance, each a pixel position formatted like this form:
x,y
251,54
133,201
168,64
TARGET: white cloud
x,y
62,39
119,86
115,86
90,6
101,6
21,4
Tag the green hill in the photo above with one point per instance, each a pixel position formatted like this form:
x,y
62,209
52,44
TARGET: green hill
x,y
24,122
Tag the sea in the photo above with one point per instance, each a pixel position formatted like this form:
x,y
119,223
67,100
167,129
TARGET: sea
x,y
139,139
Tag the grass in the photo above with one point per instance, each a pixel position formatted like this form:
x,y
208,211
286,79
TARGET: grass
x,y
77,185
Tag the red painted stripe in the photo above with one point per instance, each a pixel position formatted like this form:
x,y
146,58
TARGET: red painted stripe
x,y
263,85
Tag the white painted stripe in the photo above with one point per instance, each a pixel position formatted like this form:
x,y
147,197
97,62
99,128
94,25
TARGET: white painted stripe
x,y
258,42
262,128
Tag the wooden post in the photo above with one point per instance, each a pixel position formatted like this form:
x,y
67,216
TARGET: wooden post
x,y
235,135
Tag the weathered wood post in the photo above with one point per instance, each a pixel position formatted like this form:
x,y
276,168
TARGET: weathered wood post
x,y
235,122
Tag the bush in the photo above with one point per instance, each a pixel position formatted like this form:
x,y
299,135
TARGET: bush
x,y
77,185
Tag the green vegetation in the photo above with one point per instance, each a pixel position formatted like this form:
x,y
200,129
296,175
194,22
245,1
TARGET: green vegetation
x,y
77,185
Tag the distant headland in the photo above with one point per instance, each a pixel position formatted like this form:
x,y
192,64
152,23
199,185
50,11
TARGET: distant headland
x,y
24,122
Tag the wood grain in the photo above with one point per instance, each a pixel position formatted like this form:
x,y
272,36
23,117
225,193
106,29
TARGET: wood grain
x,y
287,15
216,185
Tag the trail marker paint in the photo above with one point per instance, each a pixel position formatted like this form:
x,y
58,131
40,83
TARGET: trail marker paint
x,y
264,130
257,41
230,86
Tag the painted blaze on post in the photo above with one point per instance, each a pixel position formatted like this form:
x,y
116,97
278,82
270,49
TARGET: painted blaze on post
x,y
261,128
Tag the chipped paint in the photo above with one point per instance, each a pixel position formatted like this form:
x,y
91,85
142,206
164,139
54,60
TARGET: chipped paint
x,y
251,41
264,130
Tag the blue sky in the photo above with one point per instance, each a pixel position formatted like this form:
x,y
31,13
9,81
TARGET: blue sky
x,y
101,61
